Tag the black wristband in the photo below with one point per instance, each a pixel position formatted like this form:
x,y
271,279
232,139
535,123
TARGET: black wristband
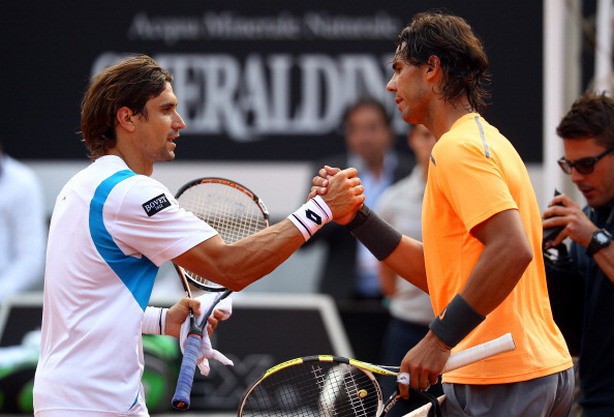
x,y
375,233
359,218
456,321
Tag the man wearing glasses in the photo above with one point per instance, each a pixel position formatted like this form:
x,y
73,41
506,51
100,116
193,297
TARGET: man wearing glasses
x,y
588,140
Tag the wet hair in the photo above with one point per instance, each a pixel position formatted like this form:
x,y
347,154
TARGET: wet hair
x,y
130,83
590,116
463,59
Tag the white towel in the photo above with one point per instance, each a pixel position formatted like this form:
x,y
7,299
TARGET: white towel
x,y
206,350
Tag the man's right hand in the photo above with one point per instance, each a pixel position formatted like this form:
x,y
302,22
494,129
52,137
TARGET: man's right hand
x,y
341,190
566,213
319,183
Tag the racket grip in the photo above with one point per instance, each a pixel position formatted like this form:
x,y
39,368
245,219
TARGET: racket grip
x,y
181,399
476,353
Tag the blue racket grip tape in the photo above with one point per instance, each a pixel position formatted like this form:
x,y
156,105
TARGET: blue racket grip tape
x,y
181,399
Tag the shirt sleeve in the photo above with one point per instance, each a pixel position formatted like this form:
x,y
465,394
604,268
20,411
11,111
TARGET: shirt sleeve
x,y
472,181
148,221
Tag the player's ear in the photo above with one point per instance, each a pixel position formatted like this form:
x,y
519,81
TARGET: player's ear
x,y
433,64
125,118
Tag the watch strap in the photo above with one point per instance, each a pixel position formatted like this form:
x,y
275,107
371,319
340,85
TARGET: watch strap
x,y
595,245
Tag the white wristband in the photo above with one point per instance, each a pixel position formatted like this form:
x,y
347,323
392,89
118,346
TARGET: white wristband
x,y
311,217
154,320
163,314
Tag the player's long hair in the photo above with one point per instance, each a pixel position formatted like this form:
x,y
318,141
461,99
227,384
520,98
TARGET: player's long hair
x,y
130,83
463,59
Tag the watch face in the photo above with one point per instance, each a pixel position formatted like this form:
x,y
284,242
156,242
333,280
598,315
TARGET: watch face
x,y
601,238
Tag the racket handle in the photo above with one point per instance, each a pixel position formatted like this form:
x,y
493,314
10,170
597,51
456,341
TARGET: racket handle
x,y
181,399
476,353
220,296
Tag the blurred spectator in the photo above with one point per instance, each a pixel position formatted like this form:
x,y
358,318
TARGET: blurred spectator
x,y
22,228
350,271
410,307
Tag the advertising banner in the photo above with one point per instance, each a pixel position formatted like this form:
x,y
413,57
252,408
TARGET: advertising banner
x,y
261,81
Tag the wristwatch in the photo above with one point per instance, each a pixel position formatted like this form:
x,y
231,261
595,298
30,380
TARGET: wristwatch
x,y
601,239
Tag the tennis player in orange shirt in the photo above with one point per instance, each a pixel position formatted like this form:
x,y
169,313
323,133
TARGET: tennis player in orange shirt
x,y
481,259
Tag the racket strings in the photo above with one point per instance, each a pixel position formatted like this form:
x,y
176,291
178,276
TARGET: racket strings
x,y
351,391
231,212
314,389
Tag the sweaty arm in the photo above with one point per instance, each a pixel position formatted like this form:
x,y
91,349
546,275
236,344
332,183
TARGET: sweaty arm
x,y
402,254
407,260
506,255
498,270
239,264
387,280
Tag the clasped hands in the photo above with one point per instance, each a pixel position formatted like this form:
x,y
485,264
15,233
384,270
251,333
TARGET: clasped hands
x,y
341,189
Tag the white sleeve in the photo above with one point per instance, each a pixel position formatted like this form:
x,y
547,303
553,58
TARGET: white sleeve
x,y
149,221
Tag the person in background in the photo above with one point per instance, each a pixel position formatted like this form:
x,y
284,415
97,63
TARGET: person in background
x,y
410,307
350,271
587,131
22,228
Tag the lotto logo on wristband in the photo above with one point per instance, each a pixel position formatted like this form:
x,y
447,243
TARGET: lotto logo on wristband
x,y
314,214
313,217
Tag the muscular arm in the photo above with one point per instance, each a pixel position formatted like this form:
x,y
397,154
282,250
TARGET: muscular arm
x,y
387,280
239,264
407,260
506,255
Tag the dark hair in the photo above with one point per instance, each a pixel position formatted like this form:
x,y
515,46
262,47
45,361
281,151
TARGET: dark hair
x,y
130,83
591,115
367,102
463,59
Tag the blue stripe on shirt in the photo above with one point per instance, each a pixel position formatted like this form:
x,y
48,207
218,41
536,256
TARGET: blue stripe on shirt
x,y
138,274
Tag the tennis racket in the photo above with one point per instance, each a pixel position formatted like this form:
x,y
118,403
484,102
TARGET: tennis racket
x,y
234,212
326,385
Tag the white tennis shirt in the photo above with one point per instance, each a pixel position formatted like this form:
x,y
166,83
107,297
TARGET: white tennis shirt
x,y
110,231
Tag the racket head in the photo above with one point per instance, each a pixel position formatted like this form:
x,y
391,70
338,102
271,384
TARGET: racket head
x,y
320,386
230,208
